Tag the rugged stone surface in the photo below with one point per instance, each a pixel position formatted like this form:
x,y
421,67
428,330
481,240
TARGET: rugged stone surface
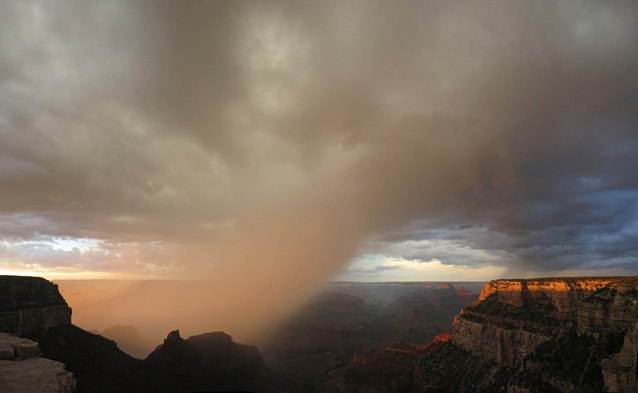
x,y
563,293
22,348
6,351
505,346
619,370
30,304
22,370
513,317
541,335
35,375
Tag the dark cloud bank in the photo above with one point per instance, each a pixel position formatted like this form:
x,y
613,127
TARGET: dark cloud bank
x,y
270,143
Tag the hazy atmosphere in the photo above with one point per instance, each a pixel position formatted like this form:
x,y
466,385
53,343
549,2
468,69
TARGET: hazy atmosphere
x,y
267,148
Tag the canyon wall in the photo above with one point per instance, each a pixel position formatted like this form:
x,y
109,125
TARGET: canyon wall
x,y
30,304
554,334
619,370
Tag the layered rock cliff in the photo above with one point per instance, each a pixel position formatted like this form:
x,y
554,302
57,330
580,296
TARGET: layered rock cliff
x,y
619,370
31,304
543,335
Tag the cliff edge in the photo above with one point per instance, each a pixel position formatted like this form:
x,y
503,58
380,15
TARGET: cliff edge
x,y
31,304
541,335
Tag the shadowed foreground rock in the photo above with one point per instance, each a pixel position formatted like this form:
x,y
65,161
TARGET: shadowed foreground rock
x,y
23,371
96,362
208,362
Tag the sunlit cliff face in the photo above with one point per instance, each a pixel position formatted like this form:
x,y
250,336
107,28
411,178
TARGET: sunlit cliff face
x,y
263,147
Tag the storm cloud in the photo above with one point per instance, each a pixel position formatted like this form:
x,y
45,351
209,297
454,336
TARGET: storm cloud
x,y
271,143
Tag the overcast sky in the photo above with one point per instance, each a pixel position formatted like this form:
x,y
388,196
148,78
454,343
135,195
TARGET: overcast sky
x,y
369,141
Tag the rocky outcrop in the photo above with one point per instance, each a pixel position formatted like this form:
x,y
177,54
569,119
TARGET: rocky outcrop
x,y
564,293
512,317
544,335
22,370
36,375
30,304
445,286
210,361
609,309
462,292
12,347
619,370
505,346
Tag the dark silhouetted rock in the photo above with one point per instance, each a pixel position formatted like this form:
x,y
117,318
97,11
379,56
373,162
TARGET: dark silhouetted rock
x,y
96,362
30,304
207,362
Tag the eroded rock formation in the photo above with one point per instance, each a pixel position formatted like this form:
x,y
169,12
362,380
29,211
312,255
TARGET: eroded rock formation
x,y
542,335
210,361
30,304
619,370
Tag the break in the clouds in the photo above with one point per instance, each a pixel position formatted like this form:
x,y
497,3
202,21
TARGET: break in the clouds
x,y
278,141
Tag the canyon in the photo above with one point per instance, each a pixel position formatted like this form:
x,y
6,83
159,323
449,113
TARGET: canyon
x,y
545,335
348,320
